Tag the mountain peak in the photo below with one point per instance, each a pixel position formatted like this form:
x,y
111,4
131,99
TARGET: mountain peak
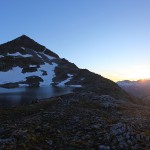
x,y
26,42
24,38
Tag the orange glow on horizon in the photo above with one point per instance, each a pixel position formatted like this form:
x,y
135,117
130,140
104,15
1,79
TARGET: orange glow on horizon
x,y
132,73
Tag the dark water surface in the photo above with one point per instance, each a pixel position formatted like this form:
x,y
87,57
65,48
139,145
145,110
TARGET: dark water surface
x,y
25,95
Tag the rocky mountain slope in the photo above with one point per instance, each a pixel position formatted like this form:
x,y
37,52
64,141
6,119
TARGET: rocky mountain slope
x,y
140,88
97,115
24,62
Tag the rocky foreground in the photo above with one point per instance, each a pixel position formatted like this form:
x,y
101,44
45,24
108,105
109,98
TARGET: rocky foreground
x,y
82,120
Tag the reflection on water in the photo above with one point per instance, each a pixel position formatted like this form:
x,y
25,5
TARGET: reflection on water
x,y
24,95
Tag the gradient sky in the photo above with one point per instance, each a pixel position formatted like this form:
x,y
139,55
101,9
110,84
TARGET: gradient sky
x,y
109,37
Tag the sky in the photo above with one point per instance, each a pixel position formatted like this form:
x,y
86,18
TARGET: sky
x,y
108,37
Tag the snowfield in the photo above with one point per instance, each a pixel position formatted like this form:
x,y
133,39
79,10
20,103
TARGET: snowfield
x,y
47,79
16,75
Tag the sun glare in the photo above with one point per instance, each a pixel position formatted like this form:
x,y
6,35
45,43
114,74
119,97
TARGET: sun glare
x,y
132,73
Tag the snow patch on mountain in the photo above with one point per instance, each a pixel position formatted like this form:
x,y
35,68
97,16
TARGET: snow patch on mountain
x,y
18,54
23,85
47,79
32,65
70,76
49,57
63,83
76,86
40,56
23,48
16,75
12,76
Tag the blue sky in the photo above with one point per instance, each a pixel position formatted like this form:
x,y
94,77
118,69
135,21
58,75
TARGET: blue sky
x,y
109,37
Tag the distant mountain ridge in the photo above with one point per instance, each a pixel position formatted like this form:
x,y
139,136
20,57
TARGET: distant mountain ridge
x,y
24,62
139,88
